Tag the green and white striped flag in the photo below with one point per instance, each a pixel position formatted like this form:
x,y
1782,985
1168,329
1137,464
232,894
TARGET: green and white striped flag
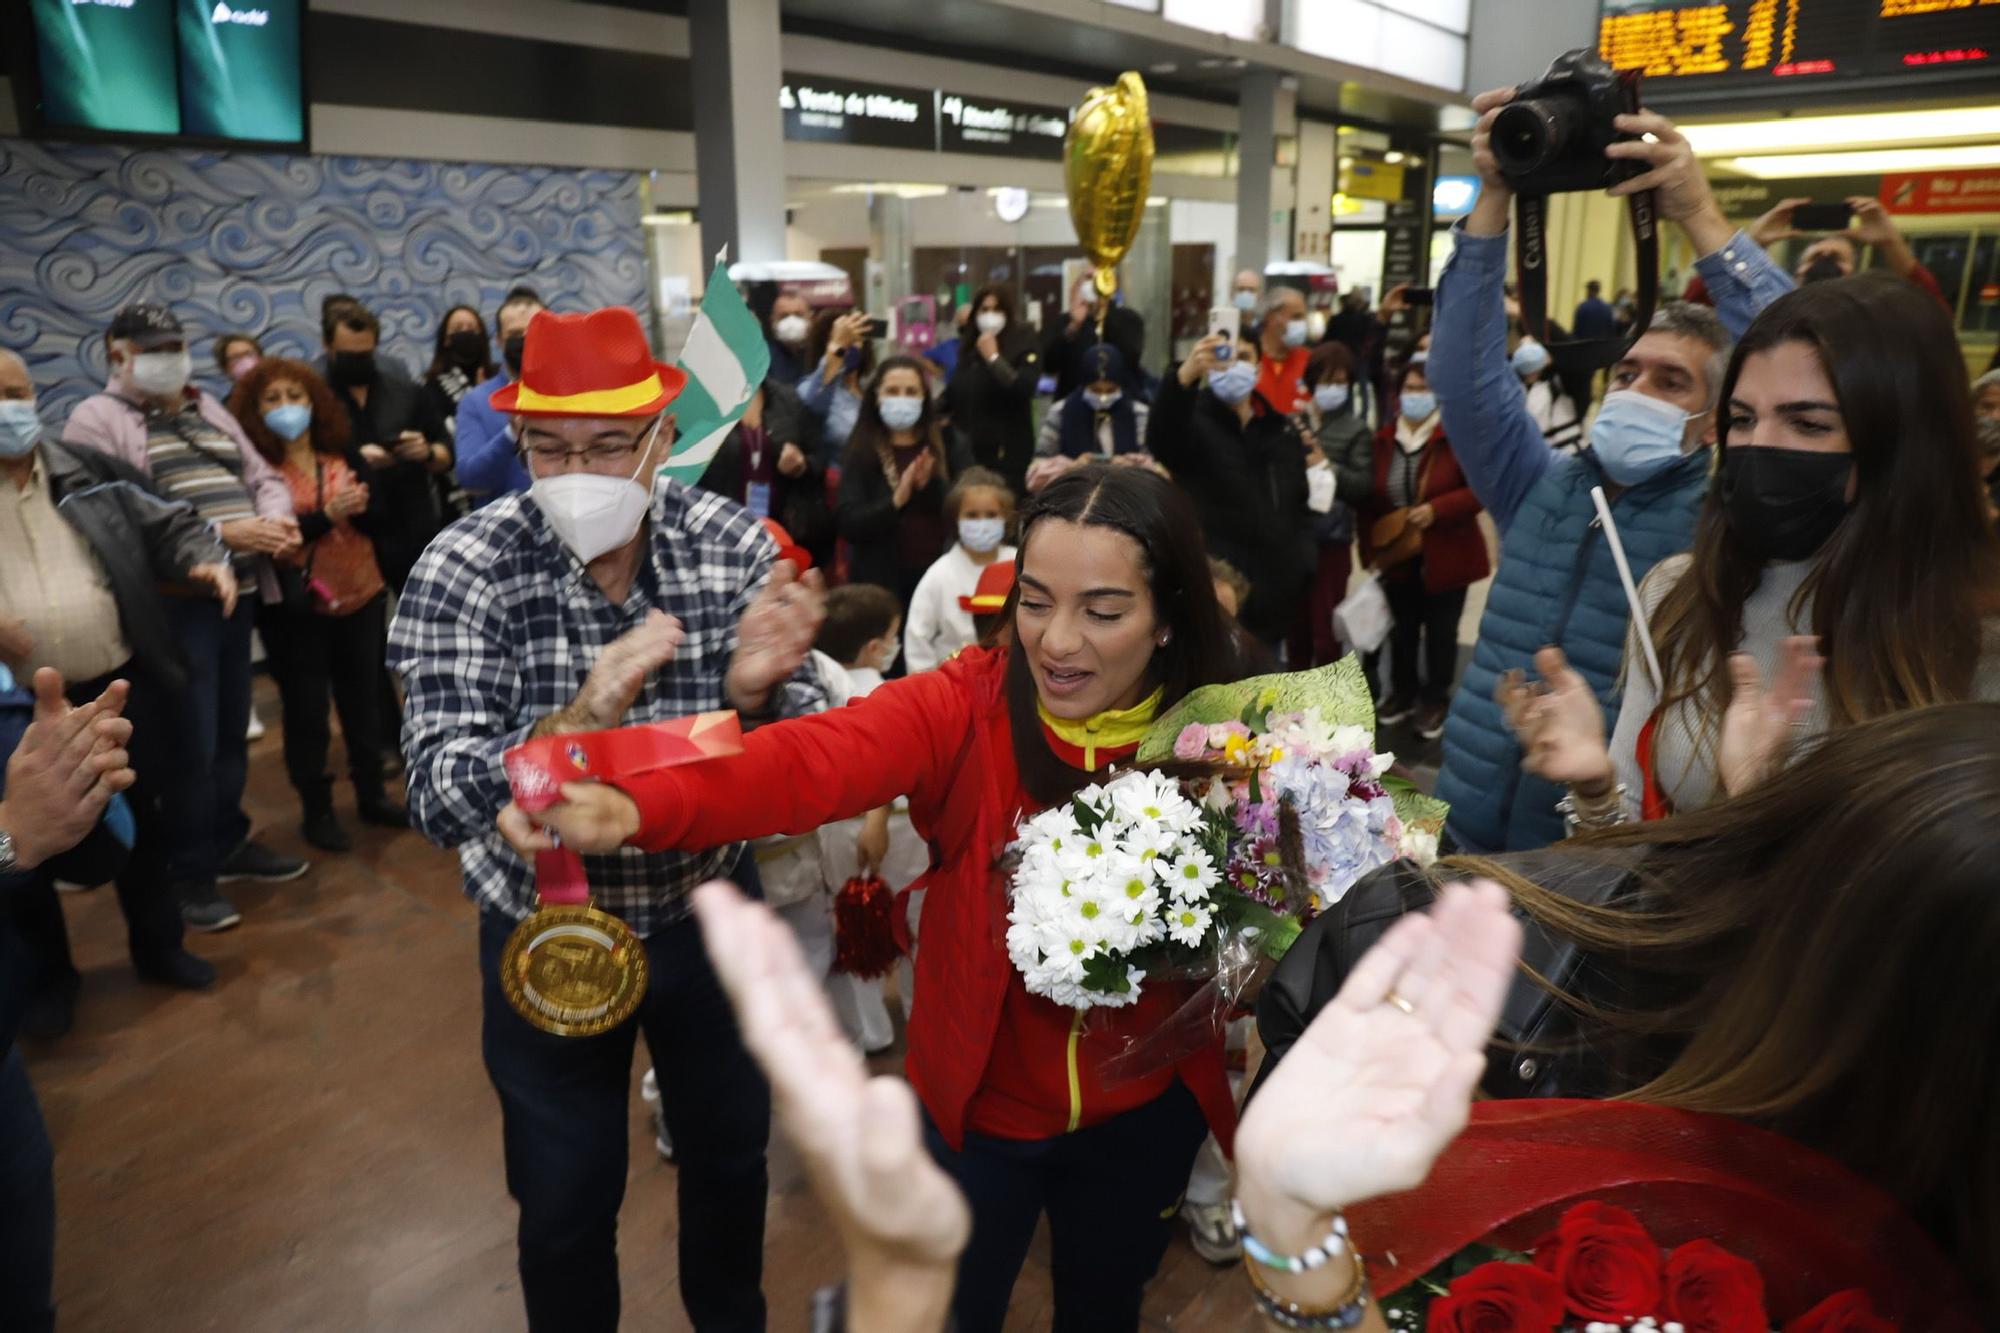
x,y
725,358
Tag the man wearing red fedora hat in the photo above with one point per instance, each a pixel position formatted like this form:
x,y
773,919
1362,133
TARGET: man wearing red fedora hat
x,y
599,599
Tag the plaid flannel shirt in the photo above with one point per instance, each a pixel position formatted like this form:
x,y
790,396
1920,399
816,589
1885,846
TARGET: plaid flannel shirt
x,y
497,629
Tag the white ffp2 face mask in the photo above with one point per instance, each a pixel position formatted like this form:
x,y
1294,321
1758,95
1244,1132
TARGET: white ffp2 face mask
x,y
591,513
161,374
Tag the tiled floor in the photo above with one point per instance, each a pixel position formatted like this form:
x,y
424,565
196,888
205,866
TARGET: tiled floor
x,y
312,1146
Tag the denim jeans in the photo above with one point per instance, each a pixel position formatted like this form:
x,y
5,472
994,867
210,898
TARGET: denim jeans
x,y
566,1115
27,1205
204,802
1110,1191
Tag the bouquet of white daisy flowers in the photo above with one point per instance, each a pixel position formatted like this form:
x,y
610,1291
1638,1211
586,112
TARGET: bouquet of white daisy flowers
x,y
1276,803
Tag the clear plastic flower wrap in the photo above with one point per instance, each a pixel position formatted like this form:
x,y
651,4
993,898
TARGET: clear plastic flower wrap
x,y
1250,807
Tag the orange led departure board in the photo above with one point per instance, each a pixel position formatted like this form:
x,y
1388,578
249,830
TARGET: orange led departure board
x,y
1750,45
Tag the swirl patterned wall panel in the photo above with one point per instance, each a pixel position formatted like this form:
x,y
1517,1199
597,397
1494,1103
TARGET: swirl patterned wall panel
x,y
253,241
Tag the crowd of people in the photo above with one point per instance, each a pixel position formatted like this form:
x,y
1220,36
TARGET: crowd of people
x,y
1719,743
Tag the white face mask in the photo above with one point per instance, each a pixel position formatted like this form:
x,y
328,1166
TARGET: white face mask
x,y
982,534
1295,333
161,374
887,657
990,321
901,412
592,514
793,329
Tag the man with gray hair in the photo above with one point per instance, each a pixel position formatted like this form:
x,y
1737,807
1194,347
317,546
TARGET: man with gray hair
x,y
1649,448
1281,349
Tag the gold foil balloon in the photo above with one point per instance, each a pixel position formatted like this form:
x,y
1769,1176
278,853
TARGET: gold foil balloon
x,y
1108,169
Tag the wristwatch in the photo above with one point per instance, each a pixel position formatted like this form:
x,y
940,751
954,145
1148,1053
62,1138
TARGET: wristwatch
x,y
7,857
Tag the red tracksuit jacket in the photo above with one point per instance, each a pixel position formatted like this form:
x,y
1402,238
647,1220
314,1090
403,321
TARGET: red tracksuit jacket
x,y
985,1055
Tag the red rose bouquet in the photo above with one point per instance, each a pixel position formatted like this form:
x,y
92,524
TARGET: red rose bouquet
x,y
1600,1272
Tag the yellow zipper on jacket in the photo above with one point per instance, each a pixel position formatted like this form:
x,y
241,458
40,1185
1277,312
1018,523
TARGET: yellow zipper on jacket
x,y
1075,1078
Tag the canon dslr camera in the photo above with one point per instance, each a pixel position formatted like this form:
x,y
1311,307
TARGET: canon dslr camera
x,y
1551,138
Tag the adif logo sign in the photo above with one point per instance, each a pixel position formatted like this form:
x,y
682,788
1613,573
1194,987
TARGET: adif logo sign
x,y
252,18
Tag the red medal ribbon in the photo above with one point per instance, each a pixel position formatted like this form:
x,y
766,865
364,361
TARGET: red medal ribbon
x,y
537,770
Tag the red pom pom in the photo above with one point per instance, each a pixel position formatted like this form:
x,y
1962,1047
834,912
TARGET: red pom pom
x,y
864,931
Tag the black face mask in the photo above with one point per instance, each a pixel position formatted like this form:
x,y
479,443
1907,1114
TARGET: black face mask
x,y
512,349
1783,504
350,368
467,348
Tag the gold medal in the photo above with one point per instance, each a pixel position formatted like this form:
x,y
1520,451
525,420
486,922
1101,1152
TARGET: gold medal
x,y
573,970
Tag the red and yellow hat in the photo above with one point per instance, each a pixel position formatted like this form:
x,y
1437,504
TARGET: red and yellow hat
x,y
990,597
591,365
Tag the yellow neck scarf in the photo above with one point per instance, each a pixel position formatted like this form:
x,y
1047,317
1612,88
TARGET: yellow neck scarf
x,y
1114,730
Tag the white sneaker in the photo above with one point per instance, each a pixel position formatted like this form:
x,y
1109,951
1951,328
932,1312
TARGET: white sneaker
x,y
1212,1233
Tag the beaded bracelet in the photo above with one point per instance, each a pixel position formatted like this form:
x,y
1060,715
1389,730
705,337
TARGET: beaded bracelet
x,y
1345,1313
1316,1257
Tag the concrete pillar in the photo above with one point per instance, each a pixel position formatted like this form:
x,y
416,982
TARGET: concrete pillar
x,y
1256,148
739,132
891,263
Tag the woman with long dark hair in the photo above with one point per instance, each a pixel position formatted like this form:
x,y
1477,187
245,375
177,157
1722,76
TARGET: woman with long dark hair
x,y
1842,517
1114,619
1813,956
992,386
326,636
893,481
461,361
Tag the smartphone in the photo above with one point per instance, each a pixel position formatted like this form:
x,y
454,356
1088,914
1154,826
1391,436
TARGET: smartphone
x,y
1822,217
878,327
1418,295
1228,320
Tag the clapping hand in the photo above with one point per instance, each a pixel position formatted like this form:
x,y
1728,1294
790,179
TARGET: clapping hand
x,y
791,460
915,477
1558,721
347,502
1383,1078
1757,726
17,645
221,580
774,636
68,765
901,1221
412,447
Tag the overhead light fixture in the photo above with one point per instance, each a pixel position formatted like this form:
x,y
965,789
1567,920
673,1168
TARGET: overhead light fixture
x,y
1876,130
1392,157
901,189
683,217
1864,162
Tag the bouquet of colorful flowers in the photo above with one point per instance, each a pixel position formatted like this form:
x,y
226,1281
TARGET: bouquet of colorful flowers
x,y
1600,1272
1254,805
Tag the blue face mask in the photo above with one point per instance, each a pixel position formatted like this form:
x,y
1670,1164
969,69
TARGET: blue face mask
x,y
1295,333
1103,402
20,428
1245,300
1636,435
1232,383
1418,404
901,413
1330,397
1529,357
290,421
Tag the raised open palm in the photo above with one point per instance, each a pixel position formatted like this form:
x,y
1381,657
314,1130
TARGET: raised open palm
x,y
860,1137
1558,721
1382,1079
1757,726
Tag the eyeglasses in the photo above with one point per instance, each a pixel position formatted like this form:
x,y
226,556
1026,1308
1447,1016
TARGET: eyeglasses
x,y
596,455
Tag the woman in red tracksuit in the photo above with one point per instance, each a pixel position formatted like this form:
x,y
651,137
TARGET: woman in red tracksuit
x,y
1115,619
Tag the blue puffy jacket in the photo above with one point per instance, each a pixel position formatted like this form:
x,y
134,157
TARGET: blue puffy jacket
x,y
1557,583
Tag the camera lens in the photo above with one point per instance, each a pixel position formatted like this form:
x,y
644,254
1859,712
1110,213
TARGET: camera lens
x,y
1529,135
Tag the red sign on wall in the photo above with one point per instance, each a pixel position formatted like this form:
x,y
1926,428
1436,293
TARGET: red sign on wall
x,y
1942,192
